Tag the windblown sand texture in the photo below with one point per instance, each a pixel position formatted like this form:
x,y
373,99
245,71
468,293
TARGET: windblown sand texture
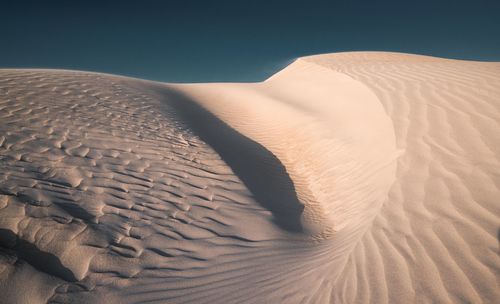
x,y
361,177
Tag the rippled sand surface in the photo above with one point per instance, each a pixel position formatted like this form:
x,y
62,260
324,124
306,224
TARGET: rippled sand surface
x,y
361,177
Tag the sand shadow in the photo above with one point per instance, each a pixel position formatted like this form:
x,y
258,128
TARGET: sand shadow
x,y
41,260
259,169
498,239
76,211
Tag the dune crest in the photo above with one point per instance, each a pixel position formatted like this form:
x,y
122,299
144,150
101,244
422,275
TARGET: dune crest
x,y
329,131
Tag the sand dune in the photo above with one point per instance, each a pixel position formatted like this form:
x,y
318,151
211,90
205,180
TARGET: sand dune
x,y
361,177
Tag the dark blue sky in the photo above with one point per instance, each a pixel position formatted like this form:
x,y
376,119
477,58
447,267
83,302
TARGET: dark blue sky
x,y
191,41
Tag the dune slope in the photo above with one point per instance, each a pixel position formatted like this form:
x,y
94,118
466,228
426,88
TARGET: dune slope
x,y
344,178
437,237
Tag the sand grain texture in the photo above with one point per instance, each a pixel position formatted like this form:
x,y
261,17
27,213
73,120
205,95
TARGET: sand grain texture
x,y
361,177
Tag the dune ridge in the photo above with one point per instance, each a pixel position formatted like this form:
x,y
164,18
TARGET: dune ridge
x,y
344,178
317,136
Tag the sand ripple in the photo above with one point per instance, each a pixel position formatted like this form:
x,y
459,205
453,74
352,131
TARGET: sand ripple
x,y
345,178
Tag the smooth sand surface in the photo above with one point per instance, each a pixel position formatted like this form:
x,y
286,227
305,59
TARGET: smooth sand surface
x,y
362,177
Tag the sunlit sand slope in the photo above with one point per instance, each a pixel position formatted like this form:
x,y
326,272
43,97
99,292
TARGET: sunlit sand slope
x,y
436,239
344,178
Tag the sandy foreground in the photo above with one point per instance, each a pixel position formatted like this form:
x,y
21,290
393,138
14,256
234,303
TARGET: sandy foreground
x,y
362,177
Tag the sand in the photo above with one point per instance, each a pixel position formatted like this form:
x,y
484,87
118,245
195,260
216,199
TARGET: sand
x,y
361,177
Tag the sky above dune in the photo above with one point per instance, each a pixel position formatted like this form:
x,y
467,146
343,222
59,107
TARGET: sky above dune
x,y
204,41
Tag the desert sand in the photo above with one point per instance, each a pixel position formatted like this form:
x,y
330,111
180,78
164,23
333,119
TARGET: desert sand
x,y
360,177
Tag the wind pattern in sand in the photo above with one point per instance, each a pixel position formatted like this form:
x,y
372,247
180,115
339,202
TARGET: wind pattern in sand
x,y
360,177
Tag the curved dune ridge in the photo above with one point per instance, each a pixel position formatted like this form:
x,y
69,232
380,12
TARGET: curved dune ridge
x,y
328,131
361,177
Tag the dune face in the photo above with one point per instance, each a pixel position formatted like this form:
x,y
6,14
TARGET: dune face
x,y
309,117
360,177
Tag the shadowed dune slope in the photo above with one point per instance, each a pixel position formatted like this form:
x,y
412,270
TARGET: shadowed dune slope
x,y
360,177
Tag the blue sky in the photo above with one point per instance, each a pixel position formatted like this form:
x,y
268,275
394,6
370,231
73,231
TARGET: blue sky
x,y
196,41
